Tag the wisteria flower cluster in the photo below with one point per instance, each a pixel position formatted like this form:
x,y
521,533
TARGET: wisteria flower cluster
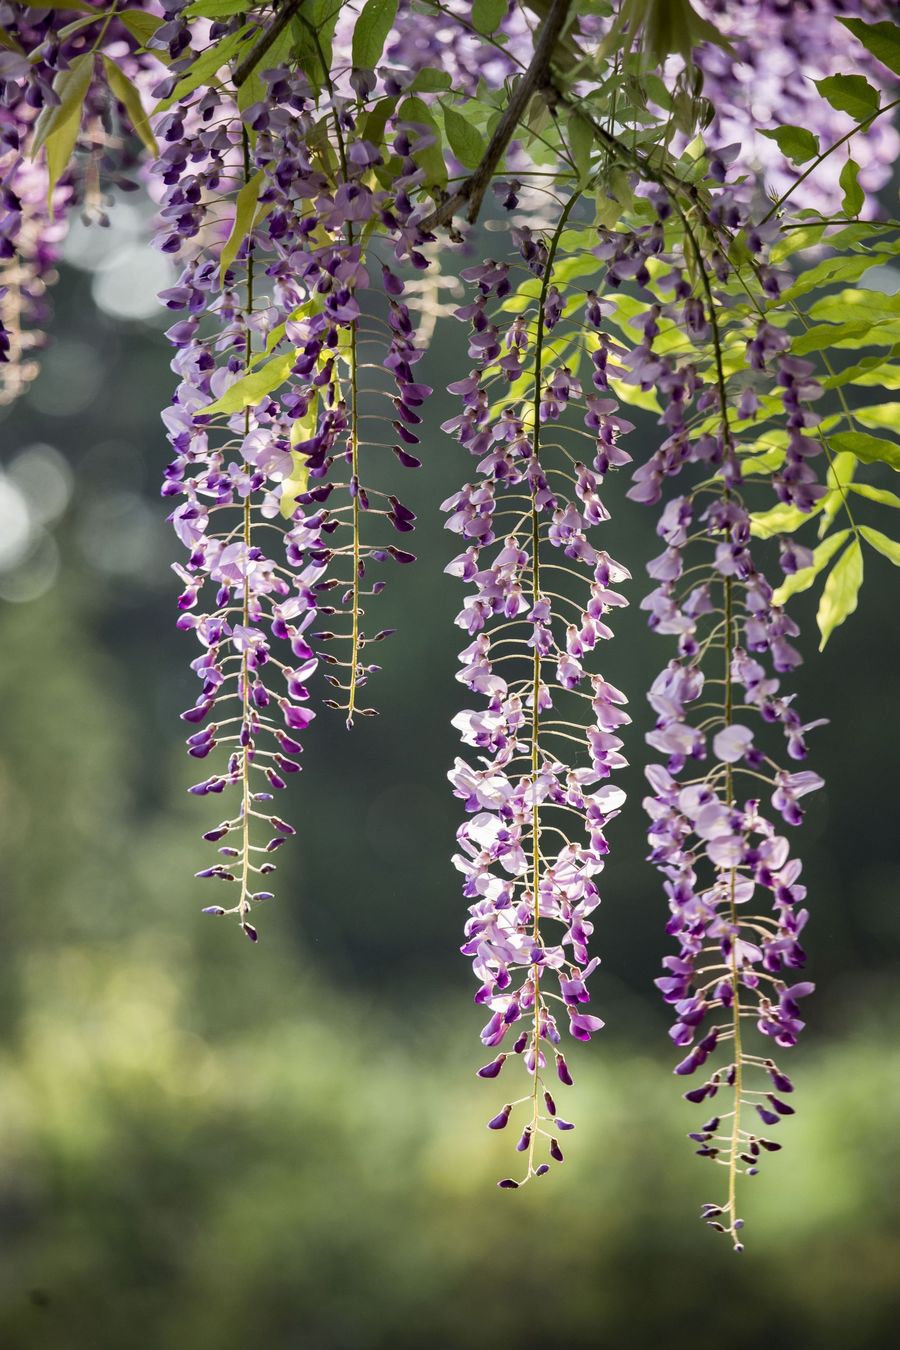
x,y
683,227
712,832
535,837
47,64
269,423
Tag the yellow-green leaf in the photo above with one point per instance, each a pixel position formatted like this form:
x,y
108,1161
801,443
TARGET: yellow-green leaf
x,y
869,449
781,519
128,96
879,415
295,484
70,86
57,127
889,547
207,65
875,494
245,210
142,26
838,479
802,580
841,591
56,4
252,388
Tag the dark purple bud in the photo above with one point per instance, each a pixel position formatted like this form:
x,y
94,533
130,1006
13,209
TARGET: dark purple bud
x,y
213,909
562,1070
779,1080
250,932
507,1184
492,1070
499,1122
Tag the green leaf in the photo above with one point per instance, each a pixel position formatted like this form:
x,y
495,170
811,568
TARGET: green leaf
x,y
861,304
431,157
128,96
430,81
466,141
885,415
875,494
828,272
70,86
58,4
208,64
868,449
581,143
245,210
881,39
216,9
781,519
841,591
881,369
889,547
487,15
825,336
373,124
370,32
854,196
802,580
142,26
57,128
296,482
9,43
253,388
795,143
850,94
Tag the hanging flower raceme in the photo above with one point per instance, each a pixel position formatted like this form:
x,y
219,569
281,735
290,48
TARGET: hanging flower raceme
x,y
76,85
271,423
719,799
544,735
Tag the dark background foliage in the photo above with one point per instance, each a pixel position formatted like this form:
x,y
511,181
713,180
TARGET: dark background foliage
x,y
210,1146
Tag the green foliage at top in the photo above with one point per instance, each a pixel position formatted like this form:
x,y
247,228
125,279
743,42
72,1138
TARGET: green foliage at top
x,y
606,123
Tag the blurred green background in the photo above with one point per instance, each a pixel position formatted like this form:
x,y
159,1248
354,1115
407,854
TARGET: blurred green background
x,y
210,1146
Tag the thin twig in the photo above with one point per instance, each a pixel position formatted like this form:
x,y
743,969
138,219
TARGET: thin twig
x,y
471,192
245,68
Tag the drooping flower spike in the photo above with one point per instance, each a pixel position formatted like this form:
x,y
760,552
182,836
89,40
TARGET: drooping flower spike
x,y
543,739
93,70
719,797
274,415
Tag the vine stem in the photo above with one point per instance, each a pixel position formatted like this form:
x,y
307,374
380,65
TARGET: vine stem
x,y
244,905
728,704
354,452
470,193
536,674
244,69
